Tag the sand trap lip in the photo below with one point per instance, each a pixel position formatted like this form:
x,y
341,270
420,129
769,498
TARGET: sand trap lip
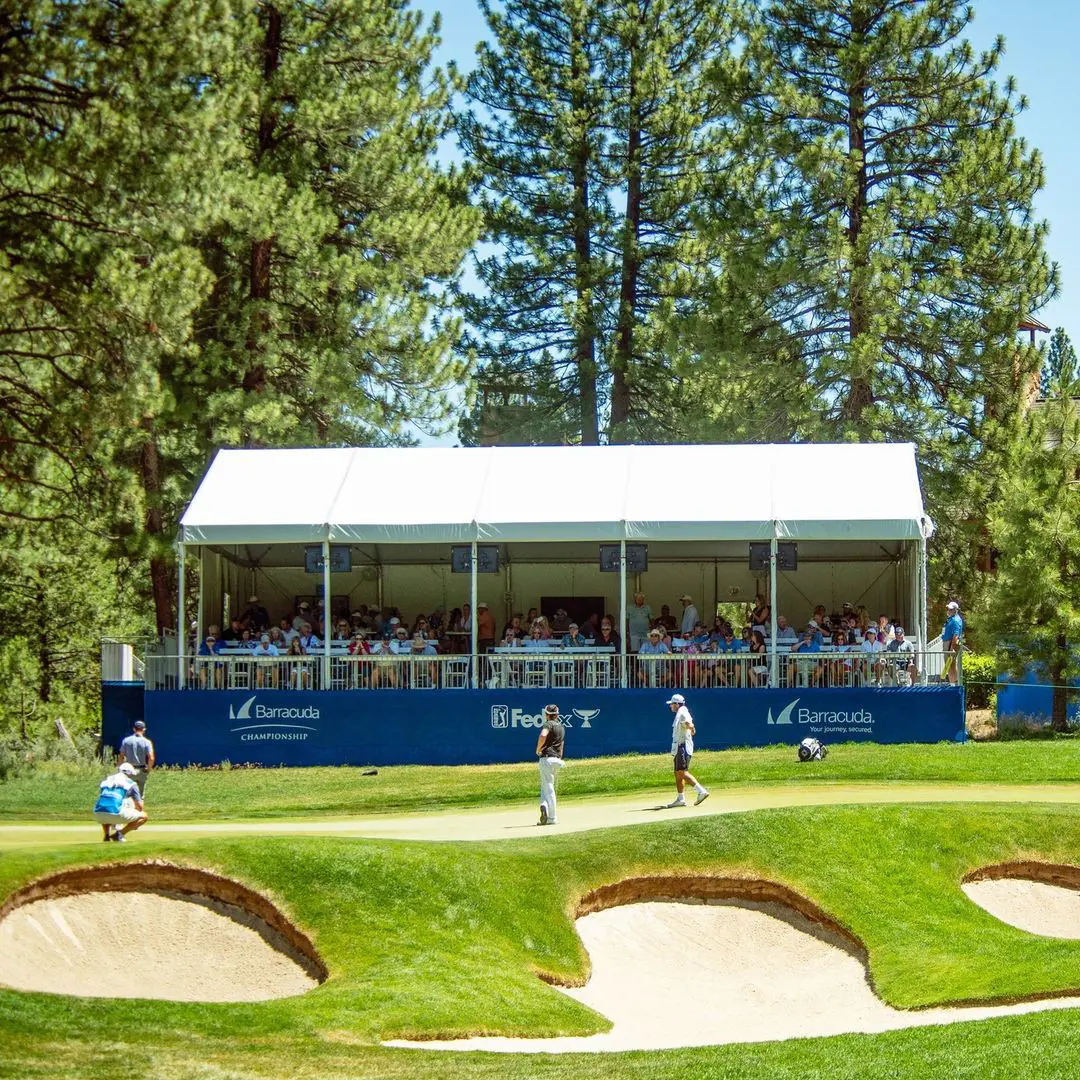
x,y
706,961
152,930
1040,898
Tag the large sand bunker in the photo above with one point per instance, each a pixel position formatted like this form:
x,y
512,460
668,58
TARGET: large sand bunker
x,y
1040,898
152,930
696,962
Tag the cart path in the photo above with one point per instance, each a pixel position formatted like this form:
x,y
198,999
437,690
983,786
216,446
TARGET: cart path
x,y
518,821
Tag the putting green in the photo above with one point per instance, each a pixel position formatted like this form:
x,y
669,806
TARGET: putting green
x,y
575,815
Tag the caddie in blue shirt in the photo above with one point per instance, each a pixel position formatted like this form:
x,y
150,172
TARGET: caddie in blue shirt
x,y
952,640
119,806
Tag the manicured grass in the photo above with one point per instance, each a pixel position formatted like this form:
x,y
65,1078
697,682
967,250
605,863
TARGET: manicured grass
x,y
59,792
439,939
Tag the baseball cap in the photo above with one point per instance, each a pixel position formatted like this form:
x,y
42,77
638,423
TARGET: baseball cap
x,y
265,637
480,604
551,710
898,630
655,632
573,626
139,724
304,605
686,596
847,605
676,699
395,621
127,769
812,625
253,599
871,630
952,605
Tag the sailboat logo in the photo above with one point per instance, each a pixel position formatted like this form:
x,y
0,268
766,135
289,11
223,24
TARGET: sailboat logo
x,y
785,714
244,712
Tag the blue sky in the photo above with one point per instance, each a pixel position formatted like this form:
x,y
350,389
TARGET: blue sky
x,y
1041,38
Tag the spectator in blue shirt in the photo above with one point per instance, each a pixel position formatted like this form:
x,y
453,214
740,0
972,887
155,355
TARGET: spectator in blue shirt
x,y
573,638
648,670
952,639
810,642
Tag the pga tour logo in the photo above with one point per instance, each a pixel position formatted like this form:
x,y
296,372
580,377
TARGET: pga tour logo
x,y
813,716
502,716
263,732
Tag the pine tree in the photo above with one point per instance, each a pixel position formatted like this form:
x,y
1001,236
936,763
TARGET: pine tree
x,y
593,127
1061,364
535,138
1033,602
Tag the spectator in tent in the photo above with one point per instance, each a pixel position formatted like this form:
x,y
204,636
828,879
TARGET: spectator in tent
x,y
256,616
839,667
574,639
666,619
651,672
466,620
303,615
299,674
821,617
485,627
870,647
885,631
342,631
423,627
514,629
236,629
863,617
265,674
759,665
901,658
560,622
729,672
246,640
785,634
308,639
689,614
384,664
278,639
591,626
531,617
545,629
510,640
807,670
638,619
288,631
761,612
607,635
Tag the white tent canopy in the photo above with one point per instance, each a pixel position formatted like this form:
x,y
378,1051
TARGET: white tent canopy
x,y
560,493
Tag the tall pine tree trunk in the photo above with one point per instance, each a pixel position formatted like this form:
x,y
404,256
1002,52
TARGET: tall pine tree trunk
x,y
45,671
631,259
150,470
859,394
262,249
585,328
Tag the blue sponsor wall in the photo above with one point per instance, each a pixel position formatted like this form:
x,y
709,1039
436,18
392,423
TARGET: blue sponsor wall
x,y
460,727
1030,699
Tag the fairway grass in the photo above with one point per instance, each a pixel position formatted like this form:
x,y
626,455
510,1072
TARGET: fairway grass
x,y
58,792
428,940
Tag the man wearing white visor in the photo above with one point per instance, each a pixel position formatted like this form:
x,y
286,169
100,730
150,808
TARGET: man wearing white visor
x,y
682,750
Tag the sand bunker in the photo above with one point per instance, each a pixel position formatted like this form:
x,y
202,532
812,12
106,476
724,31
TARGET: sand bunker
x,y
1040,898
152,931
674,973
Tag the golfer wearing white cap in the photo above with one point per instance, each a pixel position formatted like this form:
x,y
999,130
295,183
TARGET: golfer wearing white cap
x,y
119,803
952,636
682,749
549,751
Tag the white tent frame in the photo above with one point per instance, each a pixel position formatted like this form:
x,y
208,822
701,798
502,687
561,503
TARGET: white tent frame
x,y
615,494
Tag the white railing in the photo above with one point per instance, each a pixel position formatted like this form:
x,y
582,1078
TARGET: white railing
x,y
834,668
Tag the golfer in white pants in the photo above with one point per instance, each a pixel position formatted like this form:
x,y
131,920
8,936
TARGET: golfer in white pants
x,y
549,749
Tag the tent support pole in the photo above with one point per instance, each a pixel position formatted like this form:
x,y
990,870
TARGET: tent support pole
x,y
774,658
924,589
201,599
622,611
472,617
327,617
913,587
181,635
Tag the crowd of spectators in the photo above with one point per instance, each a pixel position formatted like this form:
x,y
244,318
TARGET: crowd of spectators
x,y
387,633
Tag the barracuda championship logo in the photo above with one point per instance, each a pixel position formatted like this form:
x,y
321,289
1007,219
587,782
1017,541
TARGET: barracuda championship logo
x,y
838,720
272,732
502,716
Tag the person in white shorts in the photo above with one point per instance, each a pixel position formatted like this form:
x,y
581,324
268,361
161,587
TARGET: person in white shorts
x,y
682,750
119,805
549,751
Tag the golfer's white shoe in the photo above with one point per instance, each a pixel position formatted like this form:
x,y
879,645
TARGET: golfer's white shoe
x,y
680,801
702,795
543,813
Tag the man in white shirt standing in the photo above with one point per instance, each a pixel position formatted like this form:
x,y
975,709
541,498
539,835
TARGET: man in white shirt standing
x,y
682,750
689,615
